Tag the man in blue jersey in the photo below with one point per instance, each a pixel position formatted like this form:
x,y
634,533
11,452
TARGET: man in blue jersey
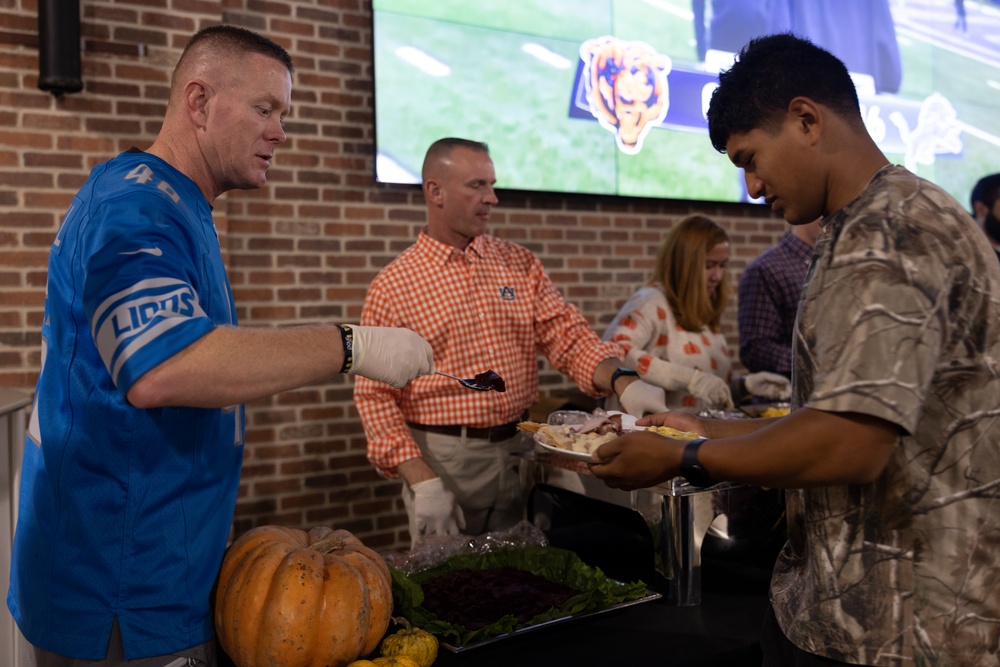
x,y
134,449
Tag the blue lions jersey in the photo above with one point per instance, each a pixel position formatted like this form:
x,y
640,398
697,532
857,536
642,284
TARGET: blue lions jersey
x,y
125,512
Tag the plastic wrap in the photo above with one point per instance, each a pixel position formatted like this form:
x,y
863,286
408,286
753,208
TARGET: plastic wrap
x,y
436,549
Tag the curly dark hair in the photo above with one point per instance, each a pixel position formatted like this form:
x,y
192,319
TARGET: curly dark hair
x,y
986,190
768,74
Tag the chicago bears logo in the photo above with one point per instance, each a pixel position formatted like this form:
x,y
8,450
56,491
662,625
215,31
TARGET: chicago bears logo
x,y
626,88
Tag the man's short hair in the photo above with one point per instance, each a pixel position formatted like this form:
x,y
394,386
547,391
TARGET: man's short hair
x,y
232,38
986,190
441,148
768,74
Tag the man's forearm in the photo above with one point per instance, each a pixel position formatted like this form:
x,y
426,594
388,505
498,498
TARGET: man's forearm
x,y
231,365
603,372
807,448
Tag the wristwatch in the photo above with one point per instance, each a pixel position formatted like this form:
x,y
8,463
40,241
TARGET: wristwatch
x,y
620,372
694,472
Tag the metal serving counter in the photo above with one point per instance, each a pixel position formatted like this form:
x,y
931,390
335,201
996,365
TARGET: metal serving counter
x,y
671,525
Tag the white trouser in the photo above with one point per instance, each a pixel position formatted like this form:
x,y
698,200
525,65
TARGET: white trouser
x,y
483,475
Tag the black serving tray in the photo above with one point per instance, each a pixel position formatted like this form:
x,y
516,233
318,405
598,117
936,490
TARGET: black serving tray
x,y
546,624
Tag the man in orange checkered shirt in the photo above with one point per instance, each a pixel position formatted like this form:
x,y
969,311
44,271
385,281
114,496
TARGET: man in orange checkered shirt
x,y
482,303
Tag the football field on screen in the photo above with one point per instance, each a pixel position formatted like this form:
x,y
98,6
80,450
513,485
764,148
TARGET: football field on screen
x,y
503,72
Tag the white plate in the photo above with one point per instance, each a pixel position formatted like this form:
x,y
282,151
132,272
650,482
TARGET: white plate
x,y
576,417
568,453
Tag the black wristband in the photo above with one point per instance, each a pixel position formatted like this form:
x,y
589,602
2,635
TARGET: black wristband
x,y
347,340
694,472
620,372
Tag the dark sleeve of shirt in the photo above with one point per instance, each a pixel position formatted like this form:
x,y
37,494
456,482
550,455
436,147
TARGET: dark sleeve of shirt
x,y
764,346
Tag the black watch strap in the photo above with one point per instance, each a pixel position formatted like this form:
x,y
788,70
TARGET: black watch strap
x,y
347,340
620,372
694,472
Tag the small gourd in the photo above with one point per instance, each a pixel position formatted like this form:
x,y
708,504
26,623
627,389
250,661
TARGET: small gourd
x,y
411,642
386,661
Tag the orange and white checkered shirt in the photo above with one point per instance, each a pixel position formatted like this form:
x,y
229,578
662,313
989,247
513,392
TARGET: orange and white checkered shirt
x,y
489,306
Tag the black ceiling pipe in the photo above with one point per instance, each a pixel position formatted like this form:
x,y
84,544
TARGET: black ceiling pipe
x,y
59,46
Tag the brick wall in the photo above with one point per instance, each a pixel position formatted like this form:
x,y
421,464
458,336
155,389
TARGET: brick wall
x,y
304,248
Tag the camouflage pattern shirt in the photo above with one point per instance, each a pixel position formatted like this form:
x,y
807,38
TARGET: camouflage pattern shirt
x,y
901,320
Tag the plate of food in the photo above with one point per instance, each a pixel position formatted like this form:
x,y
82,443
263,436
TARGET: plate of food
x,y
576,435
584,455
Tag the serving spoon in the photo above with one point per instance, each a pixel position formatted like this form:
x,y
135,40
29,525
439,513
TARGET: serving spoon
x,y
467,383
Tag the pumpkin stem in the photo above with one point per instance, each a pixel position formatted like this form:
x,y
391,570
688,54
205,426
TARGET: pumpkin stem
x,y
329,544
402,620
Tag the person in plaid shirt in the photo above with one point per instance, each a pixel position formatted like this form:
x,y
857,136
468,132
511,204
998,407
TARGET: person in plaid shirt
x,y
482,303
769,292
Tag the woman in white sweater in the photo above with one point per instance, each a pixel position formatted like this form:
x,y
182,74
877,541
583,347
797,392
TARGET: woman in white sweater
x,y
670,329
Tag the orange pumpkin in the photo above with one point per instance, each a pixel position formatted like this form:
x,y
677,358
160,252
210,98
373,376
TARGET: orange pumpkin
x,y
296,599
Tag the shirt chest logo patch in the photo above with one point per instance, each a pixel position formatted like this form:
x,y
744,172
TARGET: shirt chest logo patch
x,y
507,293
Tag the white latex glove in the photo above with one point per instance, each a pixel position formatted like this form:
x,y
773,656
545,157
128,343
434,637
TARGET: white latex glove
x,y
641,398
769,385
711,389
390,354
435,509
670,376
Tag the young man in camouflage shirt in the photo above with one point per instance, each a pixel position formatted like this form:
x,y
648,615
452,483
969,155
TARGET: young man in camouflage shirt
x,y
891,453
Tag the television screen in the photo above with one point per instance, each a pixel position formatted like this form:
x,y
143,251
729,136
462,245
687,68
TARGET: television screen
x,y
608,96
